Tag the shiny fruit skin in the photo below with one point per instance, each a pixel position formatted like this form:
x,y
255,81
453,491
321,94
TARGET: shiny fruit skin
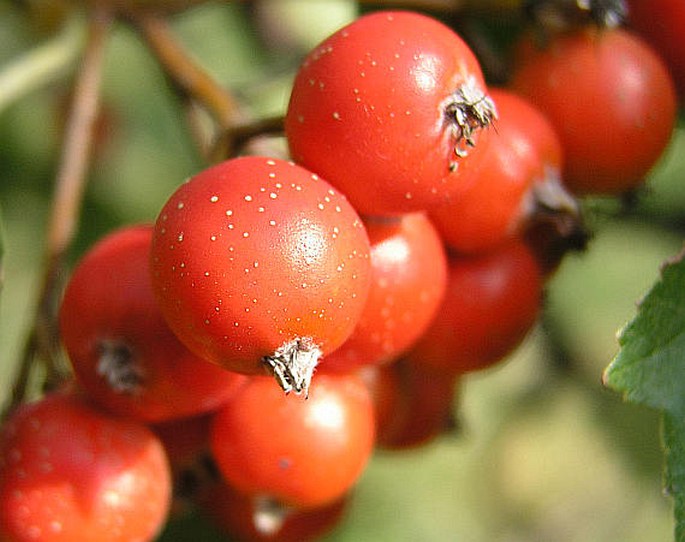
x,y
662,24
524,152
408,280
121,349
295,451
415,403
256,253
491,303
70,473
371,111
611,100
237,515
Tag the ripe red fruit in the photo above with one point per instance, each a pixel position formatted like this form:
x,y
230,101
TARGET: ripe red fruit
x,y
389,109
611,100
240,517
662,24
258,262
186,443
414,403
491,303
121,349
520,179
408,278
186,440
297,452
69,473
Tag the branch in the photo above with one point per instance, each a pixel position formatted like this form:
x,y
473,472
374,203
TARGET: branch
x,y
187,76
43,340
233,139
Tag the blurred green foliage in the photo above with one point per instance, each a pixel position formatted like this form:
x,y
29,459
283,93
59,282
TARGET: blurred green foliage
x,y
543,453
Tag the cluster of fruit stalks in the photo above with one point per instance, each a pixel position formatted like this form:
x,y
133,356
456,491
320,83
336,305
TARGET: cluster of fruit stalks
x,y
403,243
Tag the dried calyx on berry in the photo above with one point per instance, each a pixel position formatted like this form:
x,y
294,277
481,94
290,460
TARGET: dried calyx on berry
x,y
468,109
293,365
117,364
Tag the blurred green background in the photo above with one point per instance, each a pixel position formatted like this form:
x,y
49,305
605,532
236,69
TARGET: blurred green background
x,y
544,453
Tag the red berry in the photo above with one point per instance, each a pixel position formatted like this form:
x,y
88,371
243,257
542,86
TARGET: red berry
x,y
243,518
122,351
389,109
520,179
662,24
408,278
295,451
611,100
258,262
491,303
69,473
414,403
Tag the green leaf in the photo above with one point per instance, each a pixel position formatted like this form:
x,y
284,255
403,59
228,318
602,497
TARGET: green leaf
x,y
650,370
674,444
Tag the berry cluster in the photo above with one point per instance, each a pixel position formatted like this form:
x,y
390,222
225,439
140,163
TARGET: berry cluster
x,y
285,316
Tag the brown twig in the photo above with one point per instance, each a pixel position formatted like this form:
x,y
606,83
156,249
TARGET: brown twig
x,y
234,139
435,5
235,127
43,340
189,78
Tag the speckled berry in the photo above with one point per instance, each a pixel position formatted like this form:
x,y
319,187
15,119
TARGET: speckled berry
x,y
260,264
391,109
69,473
